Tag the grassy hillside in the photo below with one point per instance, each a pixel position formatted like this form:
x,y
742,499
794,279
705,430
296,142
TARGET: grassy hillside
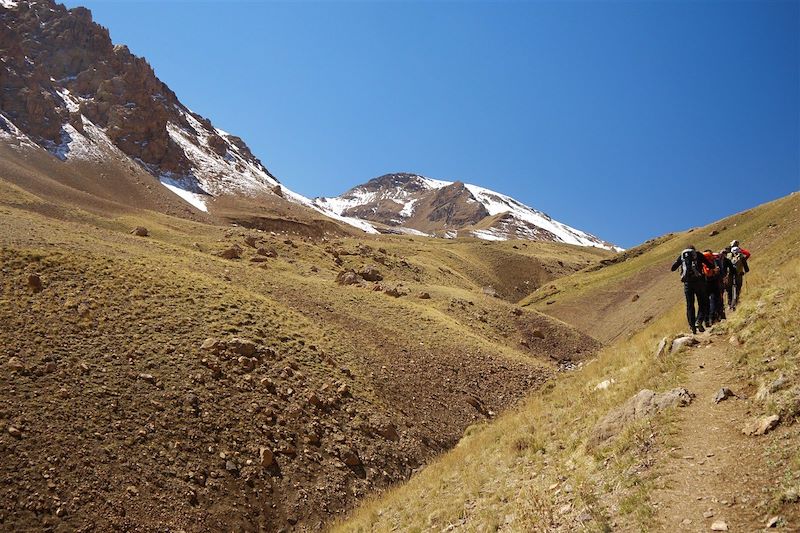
x,y
533,469
613,300
116,413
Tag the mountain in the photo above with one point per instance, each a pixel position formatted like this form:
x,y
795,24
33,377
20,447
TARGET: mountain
x,y
410,203
69,91
72,94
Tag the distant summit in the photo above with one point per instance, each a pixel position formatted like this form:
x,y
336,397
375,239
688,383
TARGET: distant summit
x,y
410,203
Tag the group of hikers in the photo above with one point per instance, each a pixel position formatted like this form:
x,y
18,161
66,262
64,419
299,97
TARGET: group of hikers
x,y
707,277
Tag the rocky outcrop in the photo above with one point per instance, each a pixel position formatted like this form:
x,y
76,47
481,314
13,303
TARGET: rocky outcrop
x,y
60,70
645,403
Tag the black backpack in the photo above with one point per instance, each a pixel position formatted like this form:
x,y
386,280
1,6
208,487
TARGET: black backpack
x,y
689,268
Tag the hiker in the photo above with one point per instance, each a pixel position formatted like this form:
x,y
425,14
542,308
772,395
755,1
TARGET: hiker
x,y
740,268
712,275
726,275
694,285
735,244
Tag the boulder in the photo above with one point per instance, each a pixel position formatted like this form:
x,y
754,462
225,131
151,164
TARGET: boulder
x,y
719,525
35,282
394,292
234,252
681,342
347,277
713,233
537,333
645,403
251,240
723,394
761,426
370,273
350,458
212,345
388,432
241,346
490,291
267,252
424,296
140,231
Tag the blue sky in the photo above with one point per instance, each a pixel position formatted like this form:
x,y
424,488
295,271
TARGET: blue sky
x,y
624,119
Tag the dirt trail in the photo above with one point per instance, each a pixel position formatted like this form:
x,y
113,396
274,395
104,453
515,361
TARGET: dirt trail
x,y
714,472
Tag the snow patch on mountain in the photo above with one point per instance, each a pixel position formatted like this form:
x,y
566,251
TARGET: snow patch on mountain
x,y
497,203
11,135
520,221
195,199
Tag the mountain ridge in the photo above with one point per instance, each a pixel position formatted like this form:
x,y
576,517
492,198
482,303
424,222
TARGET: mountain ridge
x,y
72,92
412,203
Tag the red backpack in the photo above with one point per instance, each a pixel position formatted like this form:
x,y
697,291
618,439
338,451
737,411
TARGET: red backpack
x,y
710,272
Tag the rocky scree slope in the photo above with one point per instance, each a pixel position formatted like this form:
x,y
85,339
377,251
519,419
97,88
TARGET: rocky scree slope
x,y
410,203
118,412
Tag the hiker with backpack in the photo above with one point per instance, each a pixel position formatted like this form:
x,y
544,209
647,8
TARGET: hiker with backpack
x,y
726,275
740,268
735,244
712,275
691,263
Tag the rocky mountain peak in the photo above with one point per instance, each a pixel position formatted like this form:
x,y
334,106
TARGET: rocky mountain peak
x,y
61,74
411,203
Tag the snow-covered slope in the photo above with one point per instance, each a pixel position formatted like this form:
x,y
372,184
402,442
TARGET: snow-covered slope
x,y
437,207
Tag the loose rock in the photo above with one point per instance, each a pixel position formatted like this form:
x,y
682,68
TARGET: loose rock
x,y
140,231
35,283
680,342
265,457
347,277
723,394
15,364
762,426
719,526
370,273
350,458
234,252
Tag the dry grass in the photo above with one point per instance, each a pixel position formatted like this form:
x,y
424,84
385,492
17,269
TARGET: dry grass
x,y
531,469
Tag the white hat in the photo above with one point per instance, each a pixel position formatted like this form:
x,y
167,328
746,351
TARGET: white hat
x,y
736,249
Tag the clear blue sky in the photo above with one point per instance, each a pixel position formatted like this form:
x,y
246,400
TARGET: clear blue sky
x,y
625,119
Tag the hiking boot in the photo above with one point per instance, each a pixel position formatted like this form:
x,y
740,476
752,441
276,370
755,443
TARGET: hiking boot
x,y
699,326
694,330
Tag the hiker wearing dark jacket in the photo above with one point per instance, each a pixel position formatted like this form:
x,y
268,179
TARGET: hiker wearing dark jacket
x,y
691,264
713,280
740,268
725,282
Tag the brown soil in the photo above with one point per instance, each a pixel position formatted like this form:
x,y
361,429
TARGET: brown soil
x,y
117,419
714,468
